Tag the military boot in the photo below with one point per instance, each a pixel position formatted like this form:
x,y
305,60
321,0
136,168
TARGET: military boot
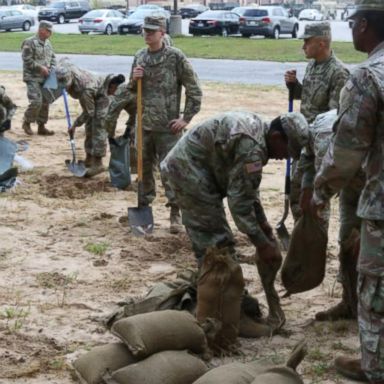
x,y
340,311
175,219
88,160
96,167
41,130
350,368
27,128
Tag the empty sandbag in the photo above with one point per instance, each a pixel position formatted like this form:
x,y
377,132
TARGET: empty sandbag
x,y
148,333
91,367
169,367
278,375
219,295
304,267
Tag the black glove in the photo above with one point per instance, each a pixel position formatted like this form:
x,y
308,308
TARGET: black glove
x,y
5,126
112,141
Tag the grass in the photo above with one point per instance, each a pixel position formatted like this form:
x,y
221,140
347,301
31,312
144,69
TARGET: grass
x,y
97,248
203,47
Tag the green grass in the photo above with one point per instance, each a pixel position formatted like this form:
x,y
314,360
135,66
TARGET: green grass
x,y
202,47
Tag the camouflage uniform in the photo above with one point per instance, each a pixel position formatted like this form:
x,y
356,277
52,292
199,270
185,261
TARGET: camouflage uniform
x,y
359,142
7,108
36,53
165,72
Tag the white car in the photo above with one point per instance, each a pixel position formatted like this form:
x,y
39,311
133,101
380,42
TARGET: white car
x,y
26,9
311,14
101,20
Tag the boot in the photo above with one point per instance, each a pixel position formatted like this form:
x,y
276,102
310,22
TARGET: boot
x,y
27,128
41,130
340,311
88,160
350,368
175,219
96,167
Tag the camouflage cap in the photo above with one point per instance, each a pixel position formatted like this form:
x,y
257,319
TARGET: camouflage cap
x,y
155,23
44,24
296,128
64,72
367,5
322,29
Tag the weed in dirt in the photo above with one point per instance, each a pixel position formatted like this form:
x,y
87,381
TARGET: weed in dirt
x,y
14,317
57,364
97,248
339,346
122,284
316,354
318,371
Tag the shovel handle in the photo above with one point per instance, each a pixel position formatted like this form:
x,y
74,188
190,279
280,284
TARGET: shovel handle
x,y
69,124
139,131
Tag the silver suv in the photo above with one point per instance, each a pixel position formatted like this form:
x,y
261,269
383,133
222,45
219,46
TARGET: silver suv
x,y
269,21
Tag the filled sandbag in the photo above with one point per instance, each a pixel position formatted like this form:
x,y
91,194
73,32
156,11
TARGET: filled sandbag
x,y
304,267
92,366
219,295
148,333
169,367
249,328
278,375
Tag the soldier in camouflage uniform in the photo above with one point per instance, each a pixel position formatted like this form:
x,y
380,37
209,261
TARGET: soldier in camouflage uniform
x,y
38,61
359,142
324,77
7,110
164,70
223,157
94,94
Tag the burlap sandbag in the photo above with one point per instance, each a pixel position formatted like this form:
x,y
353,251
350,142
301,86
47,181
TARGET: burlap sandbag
x,y
304,267
278,375
153,332
91,366
169,367
219,294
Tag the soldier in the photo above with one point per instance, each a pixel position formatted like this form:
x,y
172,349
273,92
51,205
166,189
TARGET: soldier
x,y
38,62
223,157
7,110
359,141
163,70
93,93
324,77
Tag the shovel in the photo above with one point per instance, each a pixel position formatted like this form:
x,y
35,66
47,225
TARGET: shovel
x,y
77,168
140,219
281,229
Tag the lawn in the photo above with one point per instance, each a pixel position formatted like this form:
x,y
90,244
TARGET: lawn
x,y
203,47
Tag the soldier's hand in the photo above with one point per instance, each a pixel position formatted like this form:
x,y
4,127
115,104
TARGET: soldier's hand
x,y
72,131
268,231
269,252
138,72
290,76
177,125
305,199
44,71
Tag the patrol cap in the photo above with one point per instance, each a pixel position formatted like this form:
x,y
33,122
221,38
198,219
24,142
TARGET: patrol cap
x,y
44,24
296,128
322,29
64,72
155,23
367,5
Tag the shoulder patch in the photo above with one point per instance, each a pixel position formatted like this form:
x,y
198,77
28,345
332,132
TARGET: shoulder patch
x,y
254,167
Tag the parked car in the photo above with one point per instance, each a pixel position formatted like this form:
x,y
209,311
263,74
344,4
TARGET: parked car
x,y
14,19
222,23
268,21
348,10
63,11
240,10
223,6
311,14
192,10
101,20
134,22
27,9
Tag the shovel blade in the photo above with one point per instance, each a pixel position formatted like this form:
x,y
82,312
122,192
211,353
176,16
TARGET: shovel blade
x,y
141,220
283,235
78,169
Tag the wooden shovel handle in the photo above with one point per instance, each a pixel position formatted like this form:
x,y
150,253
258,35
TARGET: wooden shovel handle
x,y
139,131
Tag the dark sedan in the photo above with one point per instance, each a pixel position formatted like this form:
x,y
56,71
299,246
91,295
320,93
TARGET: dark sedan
x,y
192,10
222,23
13,19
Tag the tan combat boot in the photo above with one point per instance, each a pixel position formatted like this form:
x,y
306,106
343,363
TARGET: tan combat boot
x,y
27,128
41,130
176,226
96,167
350,368
88,160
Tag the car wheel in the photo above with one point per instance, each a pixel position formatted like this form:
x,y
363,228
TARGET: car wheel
x,y
276,33
245,35
61,19
108,30
26,26
224,32
295,30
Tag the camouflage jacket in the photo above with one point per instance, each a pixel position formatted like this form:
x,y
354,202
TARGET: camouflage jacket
x,y
165,72
224,156
321,87
359,139
6,104
36,53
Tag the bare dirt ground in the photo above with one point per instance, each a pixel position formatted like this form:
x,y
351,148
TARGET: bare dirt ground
x,y
65,258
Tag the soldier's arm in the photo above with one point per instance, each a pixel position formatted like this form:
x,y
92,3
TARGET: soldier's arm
x,y
355,132
306,167
87,102
7,102
27,56
297,89
337,83
53,61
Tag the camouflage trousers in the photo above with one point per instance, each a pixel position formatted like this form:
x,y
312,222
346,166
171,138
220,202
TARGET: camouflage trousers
x,y
156,146
38,107
3,114
371,299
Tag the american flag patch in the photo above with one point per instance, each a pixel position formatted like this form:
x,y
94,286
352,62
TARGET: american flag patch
x,y
253,167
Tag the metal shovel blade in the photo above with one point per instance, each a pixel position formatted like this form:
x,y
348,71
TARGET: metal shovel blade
x,y
140,220
77,168
283,235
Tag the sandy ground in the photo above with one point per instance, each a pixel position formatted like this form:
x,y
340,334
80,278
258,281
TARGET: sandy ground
x,y
65,258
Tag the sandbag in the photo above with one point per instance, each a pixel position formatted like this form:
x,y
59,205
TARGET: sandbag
x,y
169,367
278,375
219,295
92,366
119,170
153,332
304,267
249,328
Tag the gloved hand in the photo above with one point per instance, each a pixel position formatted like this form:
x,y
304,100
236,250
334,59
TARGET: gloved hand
x,y
5,126
129,133
112,141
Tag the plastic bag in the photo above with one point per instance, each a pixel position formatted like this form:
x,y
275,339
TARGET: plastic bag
x,y
119,170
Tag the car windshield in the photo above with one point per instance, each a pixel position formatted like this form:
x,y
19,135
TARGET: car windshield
x,y
210,15
256,12
57,5
95,13
141,14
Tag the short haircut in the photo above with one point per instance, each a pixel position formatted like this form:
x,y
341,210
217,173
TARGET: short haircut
x,y
375,21
277,126
119,79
